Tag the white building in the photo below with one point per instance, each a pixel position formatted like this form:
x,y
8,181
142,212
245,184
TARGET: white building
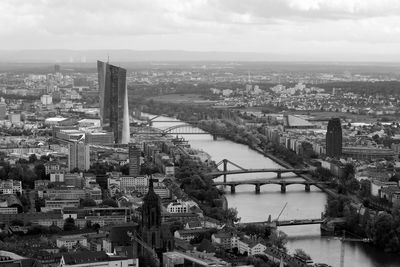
x,y
130,182
249,246
8,187
71,241
178,207
57,176
46,100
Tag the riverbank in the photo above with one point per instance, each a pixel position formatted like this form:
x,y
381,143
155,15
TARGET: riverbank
x,y
257,207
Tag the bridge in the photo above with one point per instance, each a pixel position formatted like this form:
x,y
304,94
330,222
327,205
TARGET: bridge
x,y
260,182
180,129
293,222
241,170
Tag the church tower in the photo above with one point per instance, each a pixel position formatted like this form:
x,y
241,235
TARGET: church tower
x,y
155,235
151,218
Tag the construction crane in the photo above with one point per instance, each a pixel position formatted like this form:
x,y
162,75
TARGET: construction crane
x,y
280,213
151,251
342,250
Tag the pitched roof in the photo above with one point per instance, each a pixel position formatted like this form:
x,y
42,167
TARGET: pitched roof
x,y
194,224
85,257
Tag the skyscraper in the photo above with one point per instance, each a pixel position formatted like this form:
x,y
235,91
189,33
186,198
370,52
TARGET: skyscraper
x,y
134,160
79,156
334,138
3,110
114,110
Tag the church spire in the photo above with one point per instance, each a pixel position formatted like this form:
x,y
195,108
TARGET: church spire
x,y
151,187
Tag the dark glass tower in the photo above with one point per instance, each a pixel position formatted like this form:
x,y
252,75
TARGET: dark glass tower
x,y
114,111
134,160
334,138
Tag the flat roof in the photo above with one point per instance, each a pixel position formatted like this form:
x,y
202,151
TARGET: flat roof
x,y
55,119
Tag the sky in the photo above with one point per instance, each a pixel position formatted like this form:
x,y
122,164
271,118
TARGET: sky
x,y
319,28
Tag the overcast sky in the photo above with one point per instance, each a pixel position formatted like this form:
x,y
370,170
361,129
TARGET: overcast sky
x,y
315,27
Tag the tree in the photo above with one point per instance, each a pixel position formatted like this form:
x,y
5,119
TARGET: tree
x,y
231,215
88,203
110,202
40,171
69,224
381,230
32,158
302,254
176,225
17,222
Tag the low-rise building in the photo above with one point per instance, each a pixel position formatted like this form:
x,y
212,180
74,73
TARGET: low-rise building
x,y
195,258
71,241
96,258
8,187
189,234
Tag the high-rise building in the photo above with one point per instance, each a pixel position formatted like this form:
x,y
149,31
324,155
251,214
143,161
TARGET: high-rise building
x,y
334,138
46,99
114,111
79,156
134,160
3,110
57,68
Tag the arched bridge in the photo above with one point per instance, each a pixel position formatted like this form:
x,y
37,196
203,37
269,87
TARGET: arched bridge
x,y
279,171
260,182
241,170
180,129
293,222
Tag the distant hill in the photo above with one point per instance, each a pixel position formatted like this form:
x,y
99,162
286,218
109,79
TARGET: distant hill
x,y
88,56
83,56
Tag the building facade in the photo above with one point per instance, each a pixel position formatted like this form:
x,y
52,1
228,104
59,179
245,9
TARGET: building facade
x,y
79,156
134,160
334,138
114,111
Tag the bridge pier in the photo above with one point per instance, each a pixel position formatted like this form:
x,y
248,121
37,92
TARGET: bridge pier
x,y
307,187
257,189
225,161
278,175
233,189
214,137
283,188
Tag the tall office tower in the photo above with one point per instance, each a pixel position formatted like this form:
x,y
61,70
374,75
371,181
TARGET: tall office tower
x,y
134,160
3,110
114,111
57,68
334,138
79,156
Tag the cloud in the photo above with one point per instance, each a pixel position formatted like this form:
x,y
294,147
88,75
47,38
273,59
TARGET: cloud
x,y
236,25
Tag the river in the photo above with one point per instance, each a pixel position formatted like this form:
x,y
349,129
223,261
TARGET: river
x,y
300,204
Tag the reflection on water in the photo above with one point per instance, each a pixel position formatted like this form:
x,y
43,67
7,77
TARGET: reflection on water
x,y
270,201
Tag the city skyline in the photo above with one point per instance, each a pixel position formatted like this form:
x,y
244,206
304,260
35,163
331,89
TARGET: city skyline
x,y
301,30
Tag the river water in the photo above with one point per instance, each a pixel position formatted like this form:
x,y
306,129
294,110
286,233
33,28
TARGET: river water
x,y
300,205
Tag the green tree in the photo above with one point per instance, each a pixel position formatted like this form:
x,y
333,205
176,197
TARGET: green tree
x,y
40,171
32,158
69,224
302,254
231,215
110,202
88,203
